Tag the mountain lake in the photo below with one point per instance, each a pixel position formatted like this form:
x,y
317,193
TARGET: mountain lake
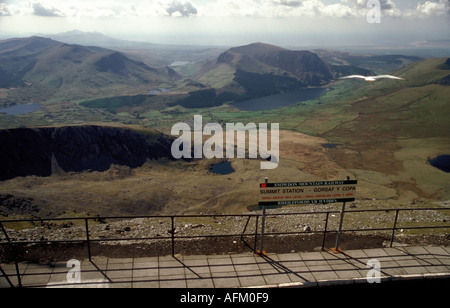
x,y
223,168
441,162
280,100
20,109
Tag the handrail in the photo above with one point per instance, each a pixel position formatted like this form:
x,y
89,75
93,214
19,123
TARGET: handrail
x,y
173,237
248,216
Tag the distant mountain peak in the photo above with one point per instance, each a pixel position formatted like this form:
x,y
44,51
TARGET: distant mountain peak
x,y
85,38
306,66
114,62
74,70
257,49
259,45
257,70
75,31
29,44
80,33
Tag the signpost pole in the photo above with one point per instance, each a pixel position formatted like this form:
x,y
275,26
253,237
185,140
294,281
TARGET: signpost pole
x,y
261,244
279,194
338,239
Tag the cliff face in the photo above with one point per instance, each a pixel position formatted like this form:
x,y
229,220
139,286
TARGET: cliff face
x,y
257,70
40,151
306,66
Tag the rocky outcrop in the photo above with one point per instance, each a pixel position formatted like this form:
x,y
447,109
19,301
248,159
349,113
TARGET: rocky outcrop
x,y
261,58
41,151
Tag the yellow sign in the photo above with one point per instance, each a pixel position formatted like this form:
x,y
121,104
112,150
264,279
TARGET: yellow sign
x,y
275,194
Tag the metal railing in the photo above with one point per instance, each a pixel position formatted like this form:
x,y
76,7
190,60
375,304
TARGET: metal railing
x,y
248,231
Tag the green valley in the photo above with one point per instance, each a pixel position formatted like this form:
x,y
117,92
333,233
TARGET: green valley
x,y
381,133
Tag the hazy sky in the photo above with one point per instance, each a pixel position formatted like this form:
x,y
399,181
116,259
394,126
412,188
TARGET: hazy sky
x,y
232,22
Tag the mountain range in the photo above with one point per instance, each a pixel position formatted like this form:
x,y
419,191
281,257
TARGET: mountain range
x,y
46,69
73,71
382,133
260,69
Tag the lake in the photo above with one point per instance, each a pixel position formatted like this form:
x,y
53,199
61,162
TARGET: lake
x,y
20,109
179,63
280,100
330,145
441,162
222,168
159,91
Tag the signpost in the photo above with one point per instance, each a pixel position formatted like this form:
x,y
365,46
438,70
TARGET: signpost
x,y
315,192
319,192
261,244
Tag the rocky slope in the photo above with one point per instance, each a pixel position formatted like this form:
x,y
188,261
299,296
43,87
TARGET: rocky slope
x,y
73,71
43,151
306,66
257,70
193,234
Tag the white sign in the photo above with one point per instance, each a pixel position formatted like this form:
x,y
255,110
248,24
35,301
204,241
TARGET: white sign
x,y
276,194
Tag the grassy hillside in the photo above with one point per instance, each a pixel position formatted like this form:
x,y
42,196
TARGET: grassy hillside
x,y
261,69
383,133
73,71
388,130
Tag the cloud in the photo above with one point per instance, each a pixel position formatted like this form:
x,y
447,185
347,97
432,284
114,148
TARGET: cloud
x,y
290,3
432,8
294,8
4,11
218,8
40,10
181,8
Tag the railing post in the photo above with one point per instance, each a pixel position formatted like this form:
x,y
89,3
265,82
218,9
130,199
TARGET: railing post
x,y
6,277
256,233
245,228
325,231
394,227
173,235
16,263
263,224
88,239
4,232
337,249
13,250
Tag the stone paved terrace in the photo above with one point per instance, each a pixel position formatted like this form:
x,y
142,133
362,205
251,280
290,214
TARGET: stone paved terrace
x,y
301,270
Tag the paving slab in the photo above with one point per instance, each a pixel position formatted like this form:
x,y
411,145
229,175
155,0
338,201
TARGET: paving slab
x,y
239,270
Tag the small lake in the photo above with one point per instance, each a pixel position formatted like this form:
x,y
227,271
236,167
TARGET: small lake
x,y
330,145
222,168
280,100
441,162
20,109
159,91
179,63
